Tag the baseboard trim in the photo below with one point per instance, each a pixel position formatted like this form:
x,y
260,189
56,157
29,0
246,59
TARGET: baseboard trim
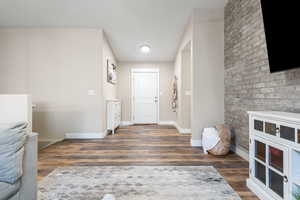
x,y
182,130
126,123
129,123
240,151
95,135
177,126
196,143
185,131
170,123
47,142
260,193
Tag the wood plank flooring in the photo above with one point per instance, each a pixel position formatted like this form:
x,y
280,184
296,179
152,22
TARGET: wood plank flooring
x,y
143,146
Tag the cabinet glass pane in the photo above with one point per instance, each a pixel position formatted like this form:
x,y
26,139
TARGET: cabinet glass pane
x,y
296,192
260,172
276,182
259,125
276,158
260,151
270,128
287,133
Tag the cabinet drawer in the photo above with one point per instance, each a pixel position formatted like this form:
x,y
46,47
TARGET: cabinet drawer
x,y
281,130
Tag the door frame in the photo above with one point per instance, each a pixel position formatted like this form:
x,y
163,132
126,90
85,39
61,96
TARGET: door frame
x,y
145,70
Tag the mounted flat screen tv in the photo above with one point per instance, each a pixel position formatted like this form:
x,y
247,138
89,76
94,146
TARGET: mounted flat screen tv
x,y
282,25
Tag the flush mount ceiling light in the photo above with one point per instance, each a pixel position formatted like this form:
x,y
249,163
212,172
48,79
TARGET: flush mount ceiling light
x,y
145,48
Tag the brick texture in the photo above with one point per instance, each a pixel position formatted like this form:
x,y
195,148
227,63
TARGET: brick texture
x,y
249,85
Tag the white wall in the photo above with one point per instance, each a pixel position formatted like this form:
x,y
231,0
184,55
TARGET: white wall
x,y
15,108
186,75
109,90
207,70
57,67
205,31
124,88
182,74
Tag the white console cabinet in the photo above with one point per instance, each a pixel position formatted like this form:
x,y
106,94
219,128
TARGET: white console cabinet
x,y
113,114
274,155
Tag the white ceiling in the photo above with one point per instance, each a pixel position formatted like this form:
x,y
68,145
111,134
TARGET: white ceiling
x,y
127,23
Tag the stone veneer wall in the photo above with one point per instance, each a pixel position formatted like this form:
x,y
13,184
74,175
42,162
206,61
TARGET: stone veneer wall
x,y
249,85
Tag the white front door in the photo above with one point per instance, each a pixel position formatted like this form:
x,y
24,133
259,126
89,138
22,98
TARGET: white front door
x,y
145,96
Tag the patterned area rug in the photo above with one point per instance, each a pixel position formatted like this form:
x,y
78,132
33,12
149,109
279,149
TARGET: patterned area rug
x,y
135,183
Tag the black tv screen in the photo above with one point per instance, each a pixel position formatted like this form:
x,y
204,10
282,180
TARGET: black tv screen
x,y
282,25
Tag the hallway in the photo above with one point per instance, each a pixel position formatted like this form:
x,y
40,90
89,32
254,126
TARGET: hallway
x,y
143,146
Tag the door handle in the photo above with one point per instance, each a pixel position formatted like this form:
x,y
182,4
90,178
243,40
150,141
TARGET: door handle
x,y
285,179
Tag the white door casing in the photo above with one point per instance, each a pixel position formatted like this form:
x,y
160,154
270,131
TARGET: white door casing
x,y
145,96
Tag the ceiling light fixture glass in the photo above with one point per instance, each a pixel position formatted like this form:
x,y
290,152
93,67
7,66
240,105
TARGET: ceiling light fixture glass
x,y
145,49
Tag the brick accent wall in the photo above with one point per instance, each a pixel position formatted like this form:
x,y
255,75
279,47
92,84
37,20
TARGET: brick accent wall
x,y
249,85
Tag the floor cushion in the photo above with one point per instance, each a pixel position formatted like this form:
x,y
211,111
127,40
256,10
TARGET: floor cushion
x,y
223,146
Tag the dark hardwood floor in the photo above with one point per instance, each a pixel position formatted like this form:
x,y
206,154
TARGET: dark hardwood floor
x,y
143,145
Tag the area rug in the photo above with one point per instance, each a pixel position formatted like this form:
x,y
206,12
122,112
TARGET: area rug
x,y
136,183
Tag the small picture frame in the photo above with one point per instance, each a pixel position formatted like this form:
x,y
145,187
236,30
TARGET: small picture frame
x,y
111,72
